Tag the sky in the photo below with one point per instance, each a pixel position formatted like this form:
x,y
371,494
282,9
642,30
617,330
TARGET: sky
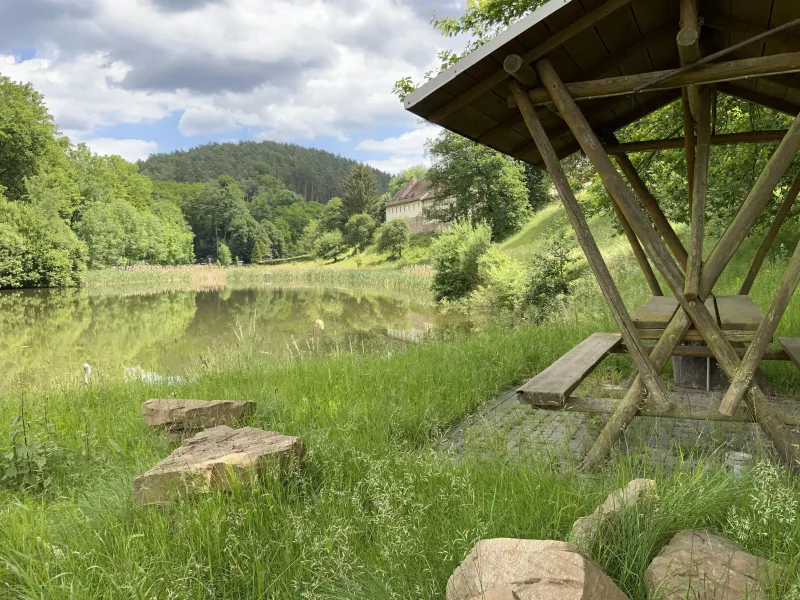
x,y
137,77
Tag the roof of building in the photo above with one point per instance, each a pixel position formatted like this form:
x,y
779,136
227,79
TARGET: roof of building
x,y
591,39
414,190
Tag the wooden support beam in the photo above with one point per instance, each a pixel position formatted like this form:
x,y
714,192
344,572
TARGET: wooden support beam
x,y
697,313
688,41
555,41
689,145
766,244
713,73
705,352
764,334
751,209
748,30
653,209
699,188
762,99
520,70
727,139
593,256
638,252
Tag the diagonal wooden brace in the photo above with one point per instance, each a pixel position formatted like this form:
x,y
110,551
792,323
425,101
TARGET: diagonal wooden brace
x,y
696,311
638,352
766,330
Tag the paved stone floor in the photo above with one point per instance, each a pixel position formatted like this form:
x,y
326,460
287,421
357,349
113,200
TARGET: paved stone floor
x,y
505,428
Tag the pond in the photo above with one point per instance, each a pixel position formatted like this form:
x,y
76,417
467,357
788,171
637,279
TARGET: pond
x,y
48,335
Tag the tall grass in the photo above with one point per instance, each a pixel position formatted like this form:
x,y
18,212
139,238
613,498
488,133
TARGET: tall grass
x,y
374,512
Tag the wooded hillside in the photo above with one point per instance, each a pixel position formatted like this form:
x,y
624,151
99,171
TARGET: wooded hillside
x,y
316,175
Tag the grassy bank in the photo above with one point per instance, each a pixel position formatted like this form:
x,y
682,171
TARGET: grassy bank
x,y
375,512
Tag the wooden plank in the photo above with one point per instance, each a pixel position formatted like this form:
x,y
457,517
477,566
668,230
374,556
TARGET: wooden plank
x,y
705,352
656,313
553,386
738,313
700,406
792,348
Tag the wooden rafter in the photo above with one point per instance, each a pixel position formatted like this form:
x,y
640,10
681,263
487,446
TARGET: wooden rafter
x,y
753,96
728,139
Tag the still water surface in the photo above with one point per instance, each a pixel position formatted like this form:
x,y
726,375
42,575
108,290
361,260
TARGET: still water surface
x,y
47,335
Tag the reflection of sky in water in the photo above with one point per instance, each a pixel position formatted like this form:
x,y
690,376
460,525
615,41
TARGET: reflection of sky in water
x,y
49,334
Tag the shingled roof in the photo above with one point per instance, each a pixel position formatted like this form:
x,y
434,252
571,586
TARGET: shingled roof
x,y
590,39
414,190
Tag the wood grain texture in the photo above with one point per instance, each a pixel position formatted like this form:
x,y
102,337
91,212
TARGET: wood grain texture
x,y
738,312
553,386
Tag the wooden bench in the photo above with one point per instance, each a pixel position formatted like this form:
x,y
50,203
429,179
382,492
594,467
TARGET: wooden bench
x,y
792,348
554,385
737,316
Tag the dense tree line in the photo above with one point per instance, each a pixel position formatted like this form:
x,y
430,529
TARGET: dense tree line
x,y
316,175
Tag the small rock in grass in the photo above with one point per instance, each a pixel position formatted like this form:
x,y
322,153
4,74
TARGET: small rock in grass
x,y
585,530
533,570
216,459
175,414
702,566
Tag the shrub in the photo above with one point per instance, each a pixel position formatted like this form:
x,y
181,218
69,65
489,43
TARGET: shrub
x,y
393,237
329,246
260,253
224,255
455,258
550,277
31,456
503,282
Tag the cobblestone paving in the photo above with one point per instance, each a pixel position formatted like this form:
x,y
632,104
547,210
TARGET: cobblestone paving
x,y
506,428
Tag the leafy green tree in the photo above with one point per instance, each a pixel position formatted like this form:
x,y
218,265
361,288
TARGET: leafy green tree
x,y
360,192
37,250
479,183
332,218
393,237
329,246
359,230
309,238
224,255
399,181
27,132
260,253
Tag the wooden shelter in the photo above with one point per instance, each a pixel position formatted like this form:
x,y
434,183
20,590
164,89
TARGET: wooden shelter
x,y
564,79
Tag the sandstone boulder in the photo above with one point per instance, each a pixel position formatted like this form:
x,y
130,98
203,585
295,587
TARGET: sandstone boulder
x,y
531,569
500,593
175,415
215,459
585,530
702,566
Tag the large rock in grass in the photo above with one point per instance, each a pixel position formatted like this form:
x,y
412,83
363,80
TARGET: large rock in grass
x,y
176,415
584,530
216,458
701,566
531,569
500,593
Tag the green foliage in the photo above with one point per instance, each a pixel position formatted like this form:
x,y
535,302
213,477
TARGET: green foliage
x,y
37,250
329,246
332,217
503,282
359,230
224,255
31,456
392,237
537,181
361,192
455,257
27,133
260,254
399,181
550,277
314,174
476,182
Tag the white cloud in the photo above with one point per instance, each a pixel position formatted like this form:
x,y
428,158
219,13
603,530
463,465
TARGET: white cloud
x,y
131,150
394,154
205,119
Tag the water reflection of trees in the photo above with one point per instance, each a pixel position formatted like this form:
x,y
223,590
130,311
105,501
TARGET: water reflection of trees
x,y
48,335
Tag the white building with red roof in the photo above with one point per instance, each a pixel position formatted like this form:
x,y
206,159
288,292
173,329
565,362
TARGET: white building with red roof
x,y
411,202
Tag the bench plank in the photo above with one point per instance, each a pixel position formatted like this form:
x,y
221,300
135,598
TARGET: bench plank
x,y
792,348
553,386
739,312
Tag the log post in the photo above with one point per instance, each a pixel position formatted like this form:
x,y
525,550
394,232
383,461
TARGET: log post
x,y
700,186
766,244
766,415
520,70
764,334
651,206
641,257
638,352
689,145
688,42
